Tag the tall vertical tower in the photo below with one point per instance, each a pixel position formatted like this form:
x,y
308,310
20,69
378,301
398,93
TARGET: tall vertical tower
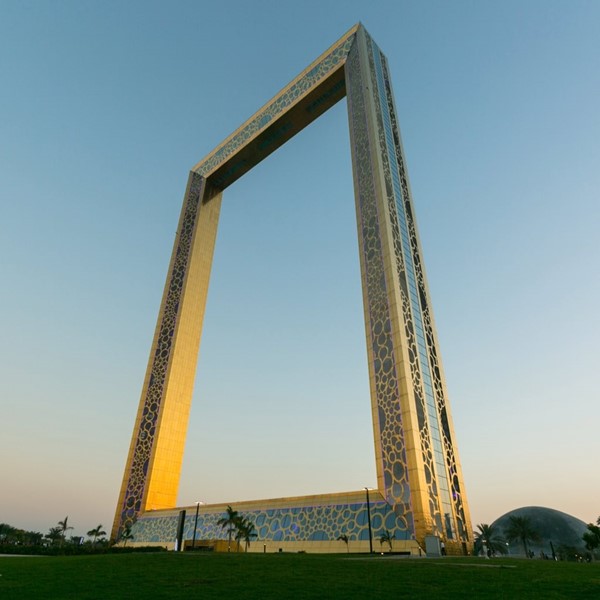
x,y
418,471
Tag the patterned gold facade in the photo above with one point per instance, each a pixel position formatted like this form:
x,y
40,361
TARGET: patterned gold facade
x,y
418,472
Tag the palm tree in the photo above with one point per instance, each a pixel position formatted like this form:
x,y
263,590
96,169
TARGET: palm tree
x,y
386,538
344,538
64,527
488,536
126,534
245,531
229,522
54,534
239,531
96,533
520,529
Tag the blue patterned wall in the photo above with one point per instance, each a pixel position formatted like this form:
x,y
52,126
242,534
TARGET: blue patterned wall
x,y
288,524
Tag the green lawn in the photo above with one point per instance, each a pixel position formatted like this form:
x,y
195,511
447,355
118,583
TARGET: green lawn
x,y
294,576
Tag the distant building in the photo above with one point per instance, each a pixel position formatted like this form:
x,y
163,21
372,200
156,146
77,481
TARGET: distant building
x,y
557,531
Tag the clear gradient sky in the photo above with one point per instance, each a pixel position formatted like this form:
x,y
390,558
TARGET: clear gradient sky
x,y
104,108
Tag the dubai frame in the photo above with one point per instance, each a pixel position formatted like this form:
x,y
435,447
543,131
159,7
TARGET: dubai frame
x,y
420,490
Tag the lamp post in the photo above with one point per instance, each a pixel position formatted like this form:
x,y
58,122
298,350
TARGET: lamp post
x,y
195,525
369,522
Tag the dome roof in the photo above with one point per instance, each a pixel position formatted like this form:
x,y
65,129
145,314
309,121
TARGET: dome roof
x,y
551,525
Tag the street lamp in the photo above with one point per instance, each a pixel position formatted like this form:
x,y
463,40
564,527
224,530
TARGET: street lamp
x,y
196,524
369,522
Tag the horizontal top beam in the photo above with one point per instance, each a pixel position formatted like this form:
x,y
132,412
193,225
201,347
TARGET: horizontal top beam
x,y
307,97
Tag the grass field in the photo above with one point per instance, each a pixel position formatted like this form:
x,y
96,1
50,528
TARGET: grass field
x,y
294,576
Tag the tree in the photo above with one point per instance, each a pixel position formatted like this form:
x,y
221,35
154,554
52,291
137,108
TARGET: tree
x,y
488,536
520,529
15,536
245,531
54,535
33,538
229,522
64,527
126,534
96,533
592,537
386,538
239,532
10,534
344,538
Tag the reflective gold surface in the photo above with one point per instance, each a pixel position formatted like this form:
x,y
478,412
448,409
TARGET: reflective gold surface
x,y
418,471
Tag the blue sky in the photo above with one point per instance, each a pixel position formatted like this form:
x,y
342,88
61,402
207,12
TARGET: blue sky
x,y
104,108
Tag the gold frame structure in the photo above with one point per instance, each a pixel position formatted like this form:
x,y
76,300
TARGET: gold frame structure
x,y
418,471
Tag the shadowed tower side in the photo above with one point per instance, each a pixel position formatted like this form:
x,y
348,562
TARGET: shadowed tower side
x,y
417,465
